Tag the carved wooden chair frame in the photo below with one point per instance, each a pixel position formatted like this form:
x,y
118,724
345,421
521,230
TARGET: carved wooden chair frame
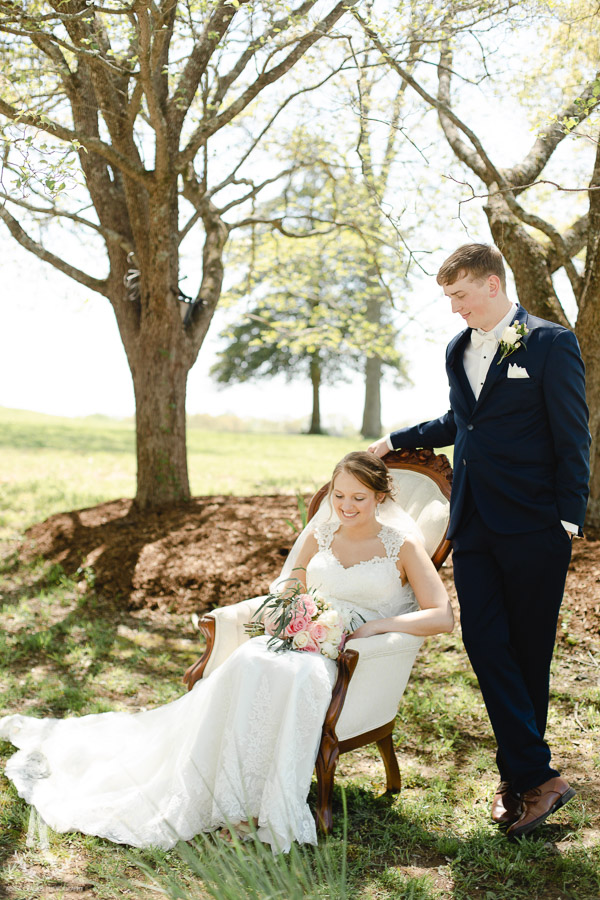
x,y
438,468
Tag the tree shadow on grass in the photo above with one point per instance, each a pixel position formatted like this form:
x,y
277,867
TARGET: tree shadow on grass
x,y
66,687
193,556
479,860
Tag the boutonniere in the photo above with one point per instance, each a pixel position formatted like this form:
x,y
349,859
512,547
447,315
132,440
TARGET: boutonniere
x,y
511,339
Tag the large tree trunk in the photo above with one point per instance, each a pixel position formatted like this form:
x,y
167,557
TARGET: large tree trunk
x,y
528,261
160,354
159,381
315,378
371,423
588,332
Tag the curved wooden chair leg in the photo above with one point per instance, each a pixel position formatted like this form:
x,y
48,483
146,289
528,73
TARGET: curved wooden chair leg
x,y
392,772
326,766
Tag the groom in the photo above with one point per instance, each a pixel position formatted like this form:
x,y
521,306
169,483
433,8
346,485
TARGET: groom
x,y
518,422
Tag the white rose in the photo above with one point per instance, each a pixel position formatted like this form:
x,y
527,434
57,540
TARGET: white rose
x,y
510,335
334,635
300,640
329,649
329,618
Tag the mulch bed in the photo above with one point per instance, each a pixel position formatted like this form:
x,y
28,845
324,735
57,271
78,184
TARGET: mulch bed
x,y
213,551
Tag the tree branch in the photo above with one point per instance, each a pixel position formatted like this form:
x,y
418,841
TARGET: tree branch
x,y
157,116
225,82
574,238
231,178
78,51
556,239
195,67
255,188
94,284
278,225
189,225
432,101
547,142
43,123
54,211
206,129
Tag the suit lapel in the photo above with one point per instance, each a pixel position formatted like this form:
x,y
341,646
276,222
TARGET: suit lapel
x,y
498,369
456,370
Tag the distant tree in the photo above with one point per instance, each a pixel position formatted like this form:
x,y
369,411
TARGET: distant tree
x,y
136,124
307,316
348,176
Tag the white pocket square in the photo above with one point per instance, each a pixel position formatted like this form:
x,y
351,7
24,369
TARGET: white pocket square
x,y
515,371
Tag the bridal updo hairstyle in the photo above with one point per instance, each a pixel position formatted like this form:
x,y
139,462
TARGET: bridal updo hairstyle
x,y
369,469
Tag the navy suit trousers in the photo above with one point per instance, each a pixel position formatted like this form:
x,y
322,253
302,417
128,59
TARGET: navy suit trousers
x,y
510,588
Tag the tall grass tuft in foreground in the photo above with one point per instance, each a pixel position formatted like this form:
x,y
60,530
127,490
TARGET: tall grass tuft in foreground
x,y
251,871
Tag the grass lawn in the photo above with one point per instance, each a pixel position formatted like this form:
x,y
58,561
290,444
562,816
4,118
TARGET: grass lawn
x,y
48,464
65,651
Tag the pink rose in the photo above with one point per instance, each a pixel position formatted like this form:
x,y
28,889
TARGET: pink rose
x,y
311,647
306,604
317,631
303,641
298,623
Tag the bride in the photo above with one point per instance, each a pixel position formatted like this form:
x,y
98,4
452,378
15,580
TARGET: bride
x,y
242,743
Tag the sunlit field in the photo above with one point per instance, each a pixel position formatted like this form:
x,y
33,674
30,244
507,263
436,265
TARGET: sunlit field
x,y
49,464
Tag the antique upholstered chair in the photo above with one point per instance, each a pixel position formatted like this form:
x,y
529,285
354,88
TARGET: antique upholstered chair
x,y
372,672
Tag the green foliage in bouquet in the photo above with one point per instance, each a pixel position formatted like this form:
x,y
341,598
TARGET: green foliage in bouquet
x,y
301,619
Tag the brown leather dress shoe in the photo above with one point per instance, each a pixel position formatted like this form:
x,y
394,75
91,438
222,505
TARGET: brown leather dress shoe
x,y
539,803
506,806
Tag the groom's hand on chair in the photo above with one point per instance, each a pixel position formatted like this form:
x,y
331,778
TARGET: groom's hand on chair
x,y
380,447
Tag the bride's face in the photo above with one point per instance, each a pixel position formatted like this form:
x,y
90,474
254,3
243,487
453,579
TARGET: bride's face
x,y
353,501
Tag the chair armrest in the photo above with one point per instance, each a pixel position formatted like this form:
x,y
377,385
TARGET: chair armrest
x,y
223,629
384,665
387,644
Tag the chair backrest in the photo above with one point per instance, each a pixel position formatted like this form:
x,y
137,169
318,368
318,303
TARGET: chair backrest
x,y
423,481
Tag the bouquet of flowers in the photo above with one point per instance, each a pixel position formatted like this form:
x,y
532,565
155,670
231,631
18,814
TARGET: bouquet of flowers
x,y
297,619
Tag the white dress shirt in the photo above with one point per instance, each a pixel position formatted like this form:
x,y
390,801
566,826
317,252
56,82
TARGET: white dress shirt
x,y
478,359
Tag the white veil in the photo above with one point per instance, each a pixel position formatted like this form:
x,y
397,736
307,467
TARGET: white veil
x,y
388,513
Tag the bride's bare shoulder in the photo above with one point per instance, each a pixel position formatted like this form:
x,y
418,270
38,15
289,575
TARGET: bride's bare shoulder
x,y
308,549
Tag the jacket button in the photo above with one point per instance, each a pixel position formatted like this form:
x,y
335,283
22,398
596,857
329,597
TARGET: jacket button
x,y
464,462
470,427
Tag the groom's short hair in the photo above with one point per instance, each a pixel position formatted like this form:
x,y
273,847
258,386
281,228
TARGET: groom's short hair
x,y
478,260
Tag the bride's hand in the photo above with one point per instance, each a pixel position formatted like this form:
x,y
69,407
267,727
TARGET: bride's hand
x,y
368,629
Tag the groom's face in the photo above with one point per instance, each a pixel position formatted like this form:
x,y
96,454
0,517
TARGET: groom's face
x,y
473,299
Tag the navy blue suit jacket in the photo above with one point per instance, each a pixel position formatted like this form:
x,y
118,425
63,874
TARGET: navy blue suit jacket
x,y
524,444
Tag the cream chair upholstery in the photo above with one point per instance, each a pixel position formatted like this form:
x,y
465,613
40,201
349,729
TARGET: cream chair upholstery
x,y
372,672
382,672
422,499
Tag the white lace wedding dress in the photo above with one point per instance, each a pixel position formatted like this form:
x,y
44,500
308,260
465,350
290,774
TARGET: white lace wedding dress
x,y
242,743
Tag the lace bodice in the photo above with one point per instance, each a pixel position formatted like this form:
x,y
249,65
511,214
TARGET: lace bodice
x,y
372,587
